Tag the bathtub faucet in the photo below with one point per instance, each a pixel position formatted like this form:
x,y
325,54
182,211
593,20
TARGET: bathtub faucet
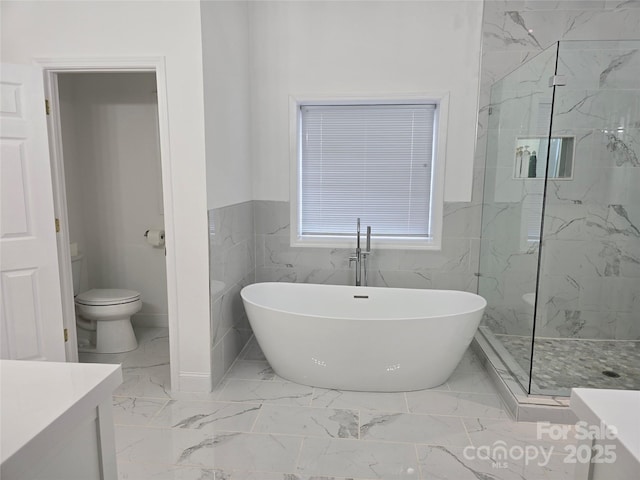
x,y
360,257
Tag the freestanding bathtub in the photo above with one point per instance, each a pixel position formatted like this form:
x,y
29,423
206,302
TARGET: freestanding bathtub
x,y
362,338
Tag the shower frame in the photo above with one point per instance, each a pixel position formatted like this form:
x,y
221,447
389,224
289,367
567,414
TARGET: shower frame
x,y
523,390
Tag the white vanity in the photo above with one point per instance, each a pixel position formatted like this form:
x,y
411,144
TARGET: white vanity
x,y
613,454
57,420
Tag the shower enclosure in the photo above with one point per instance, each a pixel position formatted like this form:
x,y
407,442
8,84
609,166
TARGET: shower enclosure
x,y
560,244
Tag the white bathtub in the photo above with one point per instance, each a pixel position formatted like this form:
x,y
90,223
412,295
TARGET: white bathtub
x,y
362,338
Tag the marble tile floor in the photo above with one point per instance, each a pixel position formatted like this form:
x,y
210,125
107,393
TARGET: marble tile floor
x,y
258,426
560,364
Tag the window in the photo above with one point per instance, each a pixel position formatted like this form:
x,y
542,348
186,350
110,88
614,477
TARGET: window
x,y
530,221
375,160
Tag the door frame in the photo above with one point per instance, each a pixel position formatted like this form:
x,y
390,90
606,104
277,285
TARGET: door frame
x,y
51,67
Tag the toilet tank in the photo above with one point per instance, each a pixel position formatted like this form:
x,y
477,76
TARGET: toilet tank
x,y
76,269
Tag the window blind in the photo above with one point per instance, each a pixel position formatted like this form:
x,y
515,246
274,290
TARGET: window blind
x,y
367,161
532,216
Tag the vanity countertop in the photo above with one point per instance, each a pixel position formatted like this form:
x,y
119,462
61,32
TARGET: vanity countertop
x,y
612,408
39,400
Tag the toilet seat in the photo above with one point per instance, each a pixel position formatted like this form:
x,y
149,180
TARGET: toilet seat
x,y
107,296
106,314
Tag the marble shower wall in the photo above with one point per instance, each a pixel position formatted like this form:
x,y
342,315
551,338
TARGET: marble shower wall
x,y
232,266
512,204
513,33
591,248
454,267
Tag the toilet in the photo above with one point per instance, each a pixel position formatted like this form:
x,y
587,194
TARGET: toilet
x,y
103,316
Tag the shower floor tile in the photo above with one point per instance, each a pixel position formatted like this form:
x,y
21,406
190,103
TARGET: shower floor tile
x,y
562,364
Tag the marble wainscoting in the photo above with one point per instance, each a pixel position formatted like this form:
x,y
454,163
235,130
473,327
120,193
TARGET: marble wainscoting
x,y
454,267
250,242
258,426
232,266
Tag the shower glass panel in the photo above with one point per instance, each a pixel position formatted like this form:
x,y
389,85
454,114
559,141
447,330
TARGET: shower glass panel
x,y
517,147
560,244
588,305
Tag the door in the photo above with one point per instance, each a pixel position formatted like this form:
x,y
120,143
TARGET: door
x,y
30,307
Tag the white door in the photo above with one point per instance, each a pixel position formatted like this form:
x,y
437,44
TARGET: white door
x,y
30,306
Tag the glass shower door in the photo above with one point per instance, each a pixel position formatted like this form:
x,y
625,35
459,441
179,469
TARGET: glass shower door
x,y
517,148
587,328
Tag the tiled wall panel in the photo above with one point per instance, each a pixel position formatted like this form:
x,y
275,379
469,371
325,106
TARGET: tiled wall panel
x,y
232,266
591,245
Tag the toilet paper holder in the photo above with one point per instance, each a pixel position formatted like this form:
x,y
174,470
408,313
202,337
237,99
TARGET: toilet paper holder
x,y
155,237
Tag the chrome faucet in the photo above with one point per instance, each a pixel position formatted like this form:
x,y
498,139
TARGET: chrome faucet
x,y
360,257
366,254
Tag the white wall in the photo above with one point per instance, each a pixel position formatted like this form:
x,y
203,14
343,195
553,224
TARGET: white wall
x,y
72,173
126,29
113,183
359,48
225,52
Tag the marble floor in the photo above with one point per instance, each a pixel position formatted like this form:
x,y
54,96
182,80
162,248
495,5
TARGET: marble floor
x,y
560,364
258,426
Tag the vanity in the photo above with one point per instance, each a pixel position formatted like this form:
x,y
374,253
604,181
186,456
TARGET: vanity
x,y
609,430
57,420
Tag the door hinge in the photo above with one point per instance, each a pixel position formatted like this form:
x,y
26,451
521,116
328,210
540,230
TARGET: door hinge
x,y
47,107
557,81
57,225
66,335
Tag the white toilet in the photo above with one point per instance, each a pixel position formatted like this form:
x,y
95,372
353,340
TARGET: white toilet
x,y
103,316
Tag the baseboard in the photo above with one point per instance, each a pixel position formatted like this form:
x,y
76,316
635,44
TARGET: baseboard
x,y
194,382
150,320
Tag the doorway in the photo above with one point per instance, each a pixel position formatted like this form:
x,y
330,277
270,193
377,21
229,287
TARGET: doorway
x,y
108,138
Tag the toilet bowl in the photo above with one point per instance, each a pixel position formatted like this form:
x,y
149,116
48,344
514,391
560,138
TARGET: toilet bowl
x,y
106,314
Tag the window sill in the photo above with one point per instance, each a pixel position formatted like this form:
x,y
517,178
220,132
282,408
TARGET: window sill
x,y
376,243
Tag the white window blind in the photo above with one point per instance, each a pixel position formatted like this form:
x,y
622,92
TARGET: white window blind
x,y
532,212
368,161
